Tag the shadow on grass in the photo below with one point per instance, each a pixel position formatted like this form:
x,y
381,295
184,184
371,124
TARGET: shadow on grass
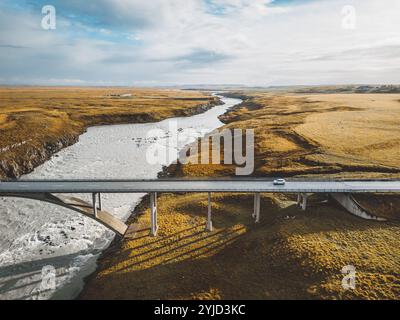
x,y
227,265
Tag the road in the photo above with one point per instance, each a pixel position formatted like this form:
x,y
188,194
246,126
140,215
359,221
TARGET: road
x,y
184,185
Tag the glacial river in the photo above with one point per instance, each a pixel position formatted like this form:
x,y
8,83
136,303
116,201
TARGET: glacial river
x,y
39,239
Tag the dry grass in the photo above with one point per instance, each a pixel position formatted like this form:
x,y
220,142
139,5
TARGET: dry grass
x,y
340,136
34,122
370,133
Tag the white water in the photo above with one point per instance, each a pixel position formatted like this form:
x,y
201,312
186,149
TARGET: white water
x,y
34,234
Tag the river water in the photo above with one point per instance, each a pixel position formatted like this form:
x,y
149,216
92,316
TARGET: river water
x,y
46,251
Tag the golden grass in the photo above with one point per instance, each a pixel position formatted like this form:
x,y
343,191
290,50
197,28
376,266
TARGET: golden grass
x,y
340,135
369,133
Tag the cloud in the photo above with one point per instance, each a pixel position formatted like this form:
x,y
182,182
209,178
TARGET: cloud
x,y
11,46
256,42
198,57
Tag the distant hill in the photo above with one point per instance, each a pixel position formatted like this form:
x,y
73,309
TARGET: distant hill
x,y
350,89
295,89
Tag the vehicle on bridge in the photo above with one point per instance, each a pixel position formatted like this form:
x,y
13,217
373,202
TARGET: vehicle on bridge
x,y
279,182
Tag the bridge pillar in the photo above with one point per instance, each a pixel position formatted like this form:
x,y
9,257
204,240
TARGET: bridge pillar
x,y
153,213
257,207
304,201
94,195
100,204
299,199
253,215
209,226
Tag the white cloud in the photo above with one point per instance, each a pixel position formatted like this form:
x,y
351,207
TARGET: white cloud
x,y
182,41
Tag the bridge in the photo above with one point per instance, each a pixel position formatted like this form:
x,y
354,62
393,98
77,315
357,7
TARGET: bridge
x,y
61,193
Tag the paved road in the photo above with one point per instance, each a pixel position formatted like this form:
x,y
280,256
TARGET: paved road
x,y
146,186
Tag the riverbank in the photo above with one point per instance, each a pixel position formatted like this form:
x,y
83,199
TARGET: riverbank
x,y
37,122
291,254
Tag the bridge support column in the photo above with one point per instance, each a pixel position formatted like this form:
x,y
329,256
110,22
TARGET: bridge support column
x,y
253,215
299,199
94,195
209,226
257,207
153,212
304,197
100,204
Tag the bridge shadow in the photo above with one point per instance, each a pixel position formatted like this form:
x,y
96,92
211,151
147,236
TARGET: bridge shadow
x,y
220,260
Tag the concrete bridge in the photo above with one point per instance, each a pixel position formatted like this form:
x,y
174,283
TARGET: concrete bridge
x,y
61,193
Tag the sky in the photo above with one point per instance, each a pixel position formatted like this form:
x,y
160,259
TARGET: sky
x,y
177,42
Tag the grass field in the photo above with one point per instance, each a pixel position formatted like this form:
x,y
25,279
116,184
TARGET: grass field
x,y
370,134
347,135
35,122
291,254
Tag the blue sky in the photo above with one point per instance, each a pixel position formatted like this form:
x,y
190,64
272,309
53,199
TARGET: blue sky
x,y
168,42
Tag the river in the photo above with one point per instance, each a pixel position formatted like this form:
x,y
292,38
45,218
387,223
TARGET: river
x,y
36,236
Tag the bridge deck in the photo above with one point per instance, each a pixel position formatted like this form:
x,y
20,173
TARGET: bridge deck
x,y
45,190
176,185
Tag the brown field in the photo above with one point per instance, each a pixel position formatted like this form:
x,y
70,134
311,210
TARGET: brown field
x,y
370,134
343,136
36,122
291,254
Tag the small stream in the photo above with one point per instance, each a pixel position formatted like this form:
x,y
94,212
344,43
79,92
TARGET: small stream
x,y
34,235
